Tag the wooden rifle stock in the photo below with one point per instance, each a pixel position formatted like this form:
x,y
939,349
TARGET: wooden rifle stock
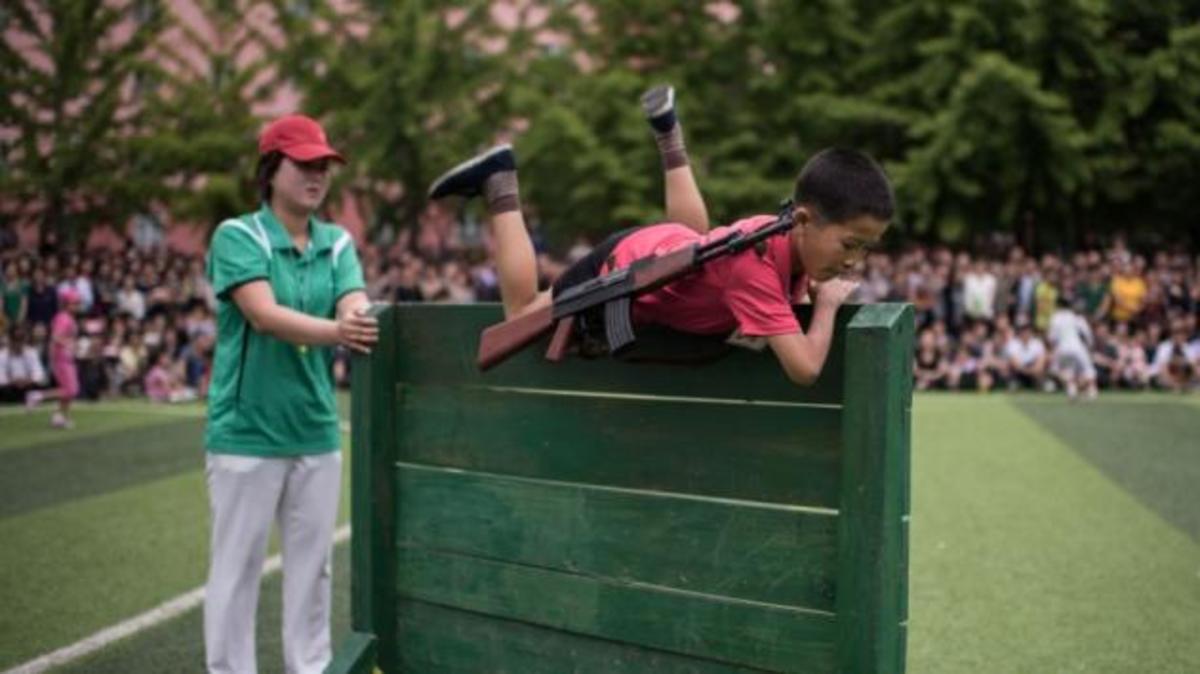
x,y
561,340
504,339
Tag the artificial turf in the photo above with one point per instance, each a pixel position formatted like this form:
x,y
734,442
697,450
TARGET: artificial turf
x,y
1046,537
1027,558
83,545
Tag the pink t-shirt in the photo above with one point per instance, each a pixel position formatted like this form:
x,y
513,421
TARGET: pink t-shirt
x,y
63,327
158,384
745,291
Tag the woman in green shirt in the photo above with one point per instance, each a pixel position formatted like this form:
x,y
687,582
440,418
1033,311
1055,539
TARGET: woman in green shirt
x,y
289,288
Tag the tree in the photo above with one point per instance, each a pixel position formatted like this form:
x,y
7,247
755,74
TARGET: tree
x,y
408,87
1001,148
70,129
202,90
754,100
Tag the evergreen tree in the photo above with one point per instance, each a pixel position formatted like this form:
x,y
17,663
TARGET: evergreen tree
x,y
204,88
409,89
70,128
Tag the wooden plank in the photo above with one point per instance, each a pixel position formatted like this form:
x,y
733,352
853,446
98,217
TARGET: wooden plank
x,y
757,552
751,634
440,343
372,484
872,580
756,452
355,655
439,640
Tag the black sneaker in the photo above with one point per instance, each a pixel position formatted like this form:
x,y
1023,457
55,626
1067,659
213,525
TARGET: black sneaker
x,y
659,105
466,179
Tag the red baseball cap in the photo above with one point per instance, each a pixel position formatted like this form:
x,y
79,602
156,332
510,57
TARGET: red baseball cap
x,y
299,137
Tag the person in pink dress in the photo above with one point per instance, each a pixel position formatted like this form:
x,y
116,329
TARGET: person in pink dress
x,y
63,332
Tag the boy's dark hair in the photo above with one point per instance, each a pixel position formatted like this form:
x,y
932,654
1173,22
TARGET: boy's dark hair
x,y
268,165
844,184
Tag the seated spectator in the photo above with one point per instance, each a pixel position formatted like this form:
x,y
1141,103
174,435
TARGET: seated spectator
x,y
968,365
458,284
1149,339
407,283
1133,365
197,361
130,300
1106,356
163,382
431,285
13,295
21,369
41,299
931,368
1127,292
1026,355
131,362
1175,365
1045,299
111,353
979,292
1092,289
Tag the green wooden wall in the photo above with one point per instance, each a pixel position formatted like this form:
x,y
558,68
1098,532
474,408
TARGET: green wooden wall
x,y
600,516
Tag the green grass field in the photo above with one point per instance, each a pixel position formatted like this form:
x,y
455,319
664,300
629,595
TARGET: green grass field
x,y
1046,536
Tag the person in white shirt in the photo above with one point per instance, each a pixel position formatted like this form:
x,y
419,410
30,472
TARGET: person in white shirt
x,y
1026,354
21,368
979,292
1071,338
130,300
1175,366
78,279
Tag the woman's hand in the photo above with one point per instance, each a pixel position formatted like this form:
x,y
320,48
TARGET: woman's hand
x,y
357,331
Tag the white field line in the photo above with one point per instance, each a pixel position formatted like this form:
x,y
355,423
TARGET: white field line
x,y
149,410
163,411
155,616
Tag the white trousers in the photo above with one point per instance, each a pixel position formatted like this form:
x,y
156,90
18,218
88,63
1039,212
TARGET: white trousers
x,y
246,494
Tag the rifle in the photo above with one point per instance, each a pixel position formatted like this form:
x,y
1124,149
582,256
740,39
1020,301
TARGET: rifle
x,y
614,292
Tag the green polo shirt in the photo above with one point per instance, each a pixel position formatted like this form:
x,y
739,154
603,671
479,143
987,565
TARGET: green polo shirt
x,y
268,397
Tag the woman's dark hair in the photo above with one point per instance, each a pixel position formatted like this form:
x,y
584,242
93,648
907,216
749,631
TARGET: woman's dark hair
x,y
268,164
844,184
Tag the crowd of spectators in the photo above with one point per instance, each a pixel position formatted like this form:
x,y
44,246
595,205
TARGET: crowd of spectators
x,y
147,316
145,321
985,321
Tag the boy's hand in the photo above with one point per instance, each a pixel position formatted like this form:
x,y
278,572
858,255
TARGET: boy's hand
x,y
832,292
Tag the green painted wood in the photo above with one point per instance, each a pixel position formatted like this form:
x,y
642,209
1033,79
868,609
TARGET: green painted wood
x,y
872,574
535,568
756,452
744,550
738,632
354,655
438,640
440,343
372,485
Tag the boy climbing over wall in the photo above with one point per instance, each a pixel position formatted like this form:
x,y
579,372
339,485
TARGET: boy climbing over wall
x,y
842,203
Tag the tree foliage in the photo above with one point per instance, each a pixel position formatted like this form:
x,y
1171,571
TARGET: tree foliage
x,y
409,88
203,85
1050,120
65,72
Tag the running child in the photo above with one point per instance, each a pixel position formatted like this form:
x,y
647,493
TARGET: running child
x,y
64,331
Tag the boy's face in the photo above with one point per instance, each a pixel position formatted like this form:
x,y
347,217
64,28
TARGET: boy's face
x,y
829,249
